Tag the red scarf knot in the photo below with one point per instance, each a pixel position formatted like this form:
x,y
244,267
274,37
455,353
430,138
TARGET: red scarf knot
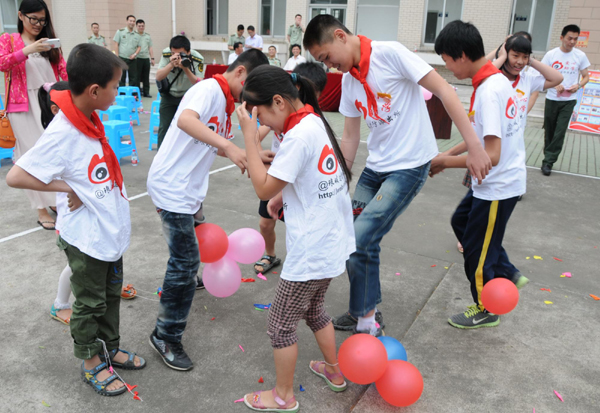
x,y
297,116
230,105
486,71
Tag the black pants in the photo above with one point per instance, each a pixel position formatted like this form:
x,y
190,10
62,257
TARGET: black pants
x,y
556,122
143,76
168,108
133,73
479,225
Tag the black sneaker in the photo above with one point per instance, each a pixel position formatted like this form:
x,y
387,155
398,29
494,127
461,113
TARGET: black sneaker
x,y
346,322
172,354
474,318
199,283
546,169
519,280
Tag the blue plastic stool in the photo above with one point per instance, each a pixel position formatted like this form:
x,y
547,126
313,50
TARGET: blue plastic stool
x,y
130,91
115,130
115,113
6,153
154,123
1,104
130,103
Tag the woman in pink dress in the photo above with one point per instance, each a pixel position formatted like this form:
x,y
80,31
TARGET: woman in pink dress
x,y
31,63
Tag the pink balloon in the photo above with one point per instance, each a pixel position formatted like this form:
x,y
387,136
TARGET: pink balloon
x,y
222,278
246,246
426,94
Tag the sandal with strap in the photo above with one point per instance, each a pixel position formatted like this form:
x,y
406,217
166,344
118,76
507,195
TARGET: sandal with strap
x,y
89,377
328,377
128,365
290,406
128,292
273,262
54,314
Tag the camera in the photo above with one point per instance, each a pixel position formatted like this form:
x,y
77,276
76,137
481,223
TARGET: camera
x,y
185,60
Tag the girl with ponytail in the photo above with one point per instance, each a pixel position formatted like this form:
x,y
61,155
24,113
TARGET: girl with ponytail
x,y
309,179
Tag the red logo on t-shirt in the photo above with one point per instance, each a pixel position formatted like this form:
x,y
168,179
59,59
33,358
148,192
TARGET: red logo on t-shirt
x,y
213,124
98,171
360,107
328,162
511,109
557,65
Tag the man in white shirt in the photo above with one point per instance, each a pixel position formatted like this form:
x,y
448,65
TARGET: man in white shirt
x,y
296,59
561,100
254,41
238,48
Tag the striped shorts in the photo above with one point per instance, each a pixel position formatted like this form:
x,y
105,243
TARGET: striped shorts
x,y
294,301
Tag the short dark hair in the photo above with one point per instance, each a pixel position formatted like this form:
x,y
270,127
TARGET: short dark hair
x,y
94,24
180,42
237,44
519,44
297,15
320,30
296,45
46,103
140,21
251,28
314,72
131,15
250,59
273,46
89,64
570,28
524,34
459,37
240,27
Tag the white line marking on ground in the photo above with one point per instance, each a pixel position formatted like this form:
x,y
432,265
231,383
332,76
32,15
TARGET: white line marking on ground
x,y
133,198
566,173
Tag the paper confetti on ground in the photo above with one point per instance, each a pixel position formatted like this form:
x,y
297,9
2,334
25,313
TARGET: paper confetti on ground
x,y
261,380
546,289
537,257
258,309
301,388
239,400
446,268
397,273
212,319
274,272
261,276
566,274
263,306
241,348
527,258
559,396
45,404
548,302
557,259
434,265
248,280
595,297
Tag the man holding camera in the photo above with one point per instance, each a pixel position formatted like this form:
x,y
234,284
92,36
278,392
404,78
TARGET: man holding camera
x,y
179,69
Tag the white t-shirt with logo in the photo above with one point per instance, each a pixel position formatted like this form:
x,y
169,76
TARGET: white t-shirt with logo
x,y
407,141
497,114
569,65
178,177
101,227
316,204
530,81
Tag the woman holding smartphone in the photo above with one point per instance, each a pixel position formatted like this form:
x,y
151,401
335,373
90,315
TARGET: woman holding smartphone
x,y
31,63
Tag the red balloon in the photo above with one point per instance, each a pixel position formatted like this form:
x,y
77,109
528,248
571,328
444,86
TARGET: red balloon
x,y
401,385
500,296
212,242
362,358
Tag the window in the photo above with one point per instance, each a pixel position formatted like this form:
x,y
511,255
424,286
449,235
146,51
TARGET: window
x,y
439,14
535,17
272,17
8,9
337,8
378,19
216,16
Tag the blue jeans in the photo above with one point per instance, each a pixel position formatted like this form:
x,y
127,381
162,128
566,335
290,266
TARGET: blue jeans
x,y
379,199
179,285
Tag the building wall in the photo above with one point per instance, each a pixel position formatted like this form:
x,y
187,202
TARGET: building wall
x,y
69,27
158,18
586,14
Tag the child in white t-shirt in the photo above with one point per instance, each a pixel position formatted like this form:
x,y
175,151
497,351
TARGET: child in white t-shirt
x,y
178,183
311,174
480,220
382,84
73,156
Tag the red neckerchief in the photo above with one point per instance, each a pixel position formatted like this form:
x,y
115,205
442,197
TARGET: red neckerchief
x,y
91,128
516,82
486,71
296,117
230,105
361,73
